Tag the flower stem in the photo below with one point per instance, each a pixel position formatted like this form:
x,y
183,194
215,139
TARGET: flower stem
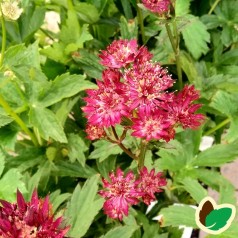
x,y
220,125
141,162
120,144
17,119
4,39
141,23
213,7
70,5
175,45
115,133
127,151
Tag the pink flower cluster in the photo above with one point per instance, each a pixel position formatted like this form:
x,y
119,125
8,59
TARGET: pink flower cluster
x,y
157,6
134,87
123,191
29,219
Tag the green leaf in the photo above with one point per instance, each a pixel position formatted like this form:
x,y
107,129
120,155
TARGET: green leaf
x,y
218,218
89,62
122,231
232,134
227,14
19,54
211,21
64,168
64,86
191,140
129,29
34,82
31,20
84,36
8,137
11,93
229,70
77,146
27,158
229,58
32,182
211,178
72,35
127,9
4,120
227,193
56,52
2,161
179,215
188,66
56,199
9,183
70,32
163,51
225,102
87,12
63,108
194,188
47,124
103,149
182,7
100,4
217,155
44,172
195,36
84,206
172,158
106,165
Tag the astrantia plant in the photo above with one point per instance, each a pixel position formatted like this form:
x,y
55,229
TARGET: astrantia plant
x,y
157,6
122,192
30,219
135,89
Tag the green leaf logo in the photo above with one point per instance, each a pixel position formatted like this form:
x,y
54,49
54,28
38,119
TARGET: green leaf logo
x,y
213,218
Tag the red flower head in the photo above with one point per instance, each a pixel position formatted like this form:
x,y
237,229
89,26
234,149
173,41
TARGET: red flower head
x,y
107,104
152,125
181,109
157,6
120,194
146,84
143,55
29,219
119,54
94,132
151,183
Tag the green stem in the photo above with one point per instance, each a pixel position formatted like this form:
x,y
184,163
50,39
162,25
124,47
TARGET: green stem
x,y
120,144
17,119
213,7
220,125
141,162
127,151
171,38
175,46
4,39
70,5
47,34
141,23
115,133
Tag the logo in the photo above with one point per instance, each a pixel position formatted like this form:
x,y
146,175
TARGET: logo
x,y
213,218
